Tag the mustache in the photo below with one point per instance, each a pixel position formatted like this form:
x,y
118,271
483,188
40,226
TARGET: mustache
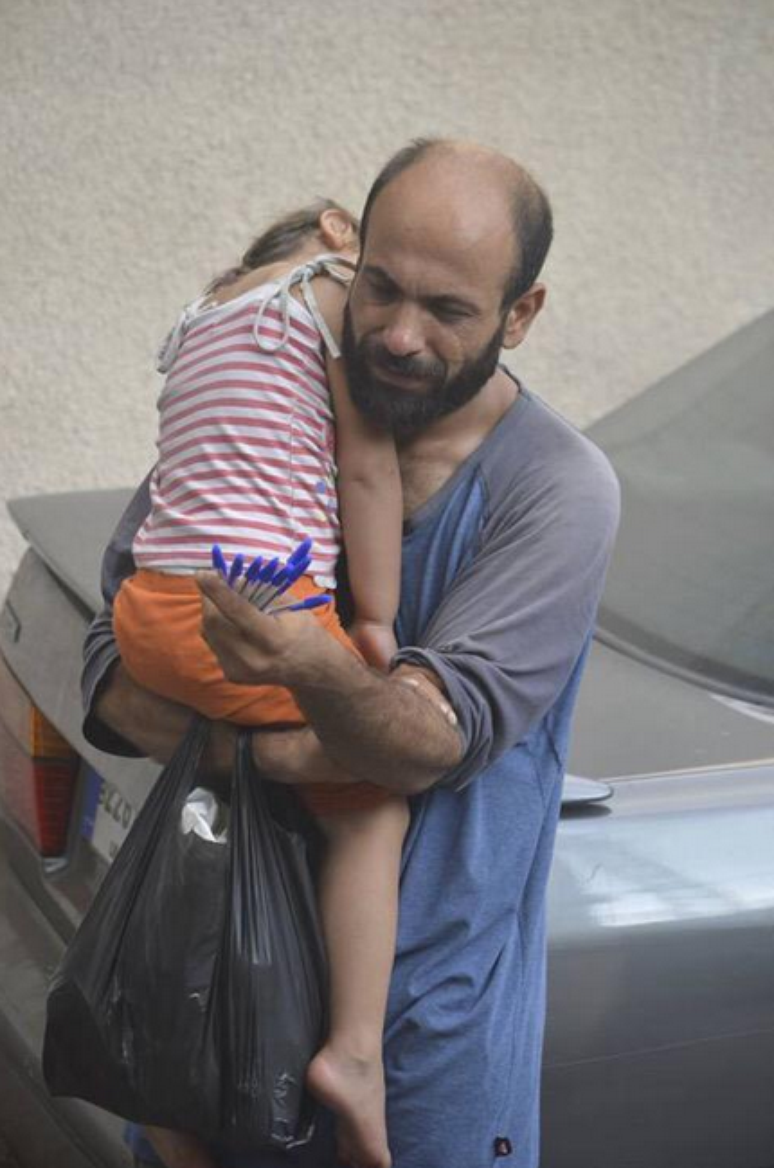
x,y
406,366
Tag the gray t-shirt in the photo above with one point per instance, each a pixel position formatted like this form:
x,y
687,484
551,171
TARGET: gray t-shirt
x,y
502,574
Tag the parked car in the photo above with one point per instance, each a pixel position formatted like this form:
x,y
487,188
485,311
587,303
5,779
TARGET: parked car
x,y
660,1038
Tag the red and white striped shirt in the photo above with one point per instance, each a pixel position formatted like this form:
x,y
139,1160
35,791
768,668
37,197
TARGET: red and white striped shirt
x,y
246,439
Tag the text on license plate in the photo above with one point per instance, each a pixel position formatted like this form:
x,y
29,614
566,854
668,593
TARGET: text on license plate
x,y
107,816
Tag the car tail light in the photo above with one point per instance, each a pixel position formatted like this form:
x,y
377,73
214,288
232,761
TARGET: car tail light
x,y
38,768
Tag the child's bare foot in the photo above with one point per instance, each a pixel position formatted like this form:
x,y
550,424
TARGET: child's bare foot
x,y
353,1088
179,1149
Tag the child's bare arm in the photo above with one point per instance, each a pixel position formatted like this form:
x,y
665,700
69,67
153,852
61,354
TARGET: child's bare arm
x,y
371,506
370,503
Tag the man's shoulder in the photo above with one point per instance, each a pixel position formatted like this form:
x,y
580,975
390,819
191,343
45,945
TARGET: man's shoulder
x,y
538,455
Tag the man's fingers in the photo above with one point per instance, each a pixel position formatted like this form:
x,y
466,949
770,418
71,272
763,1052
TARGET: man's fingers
x,y
209,614
255,648
216,591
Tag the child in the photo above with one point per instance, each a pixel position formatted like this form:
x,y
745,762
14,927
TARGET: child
x,y
246,459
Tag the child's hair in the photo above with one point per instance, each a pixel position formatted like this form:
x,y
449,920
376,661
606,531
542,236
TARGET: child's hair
x,y
280,240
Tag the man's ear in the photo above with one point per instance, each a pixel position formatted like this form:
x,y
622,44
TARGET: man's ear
x,y
336,229
521,315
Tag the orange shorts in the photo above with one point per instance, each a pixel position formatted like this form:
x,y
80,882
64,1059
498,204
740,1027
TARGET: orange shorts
x,y
158,625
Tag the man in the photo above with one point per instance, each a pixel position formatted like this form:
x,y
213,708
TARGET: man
x,y
510,517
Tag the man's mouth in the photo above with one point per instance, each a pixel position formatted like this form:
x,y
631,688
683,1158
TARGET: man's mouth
x,y
405,378
402,380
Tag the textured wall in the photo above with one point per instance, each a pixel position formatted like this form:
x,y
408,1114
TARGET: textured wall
x,y
142,143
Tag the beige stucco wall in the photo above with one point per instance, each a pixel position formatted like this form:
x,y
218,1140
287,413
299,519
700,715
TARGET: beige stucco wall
x,y
141,143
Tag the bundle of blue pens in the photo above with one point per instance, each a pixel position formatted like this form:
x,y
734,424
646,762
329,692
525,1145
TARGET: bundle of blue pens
x,y
264,582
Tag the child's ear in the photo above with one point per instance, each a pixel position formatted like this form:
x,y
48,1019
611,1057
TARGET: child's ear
x,y
336,229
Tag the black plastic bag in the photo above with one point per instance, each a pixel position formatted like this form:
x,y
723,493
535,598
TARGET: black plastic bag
x,y
193,994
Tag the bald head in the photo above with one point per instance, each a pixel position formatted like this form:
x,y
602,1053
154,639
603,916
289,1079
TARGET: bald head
x,y
477,189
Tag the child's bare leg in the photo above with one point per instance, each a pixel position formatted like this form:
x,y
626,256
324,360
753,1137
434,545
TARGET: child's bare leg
x,y
359,906
179,1149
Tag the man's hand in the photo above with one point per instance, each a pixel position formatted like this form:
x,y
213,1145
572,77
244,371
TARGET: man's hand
x,y
255,648
156,725
400,736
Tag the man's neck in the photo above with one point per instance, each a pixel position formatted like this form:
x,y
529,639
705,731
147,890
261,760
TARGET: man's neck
x,y
429,458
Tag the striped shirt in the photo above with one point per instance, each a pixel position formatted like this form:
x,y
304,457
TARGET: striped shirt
x,y
246,438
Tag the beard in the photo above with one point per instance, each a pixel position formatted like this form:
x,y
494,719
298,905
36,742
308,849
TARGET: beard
x,y
402,411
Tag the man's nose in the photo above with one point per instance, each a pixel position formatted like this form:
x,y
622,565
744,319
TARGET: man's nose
x,y
402,333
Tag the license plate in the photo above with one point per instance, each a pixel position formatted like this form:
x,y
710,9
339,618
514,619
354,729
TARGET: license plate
x,y
107,816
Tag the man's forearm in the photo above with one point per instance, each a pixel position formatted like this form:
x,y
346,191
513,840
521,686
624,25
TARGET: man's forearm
x,y
156,725
295,756
397,731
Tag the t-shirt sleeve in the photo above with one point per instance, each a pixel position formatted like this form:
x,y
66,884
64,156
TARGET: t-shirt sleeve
x,y
100,652
510,630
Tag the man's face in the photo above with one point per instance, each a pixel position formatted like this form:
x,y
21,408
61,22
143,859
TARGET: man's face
x,y
424,326
380,382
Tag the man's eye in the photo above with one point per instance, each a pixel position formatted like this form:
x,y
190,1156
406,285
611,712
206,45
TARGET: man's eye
x,y
449,313
380,291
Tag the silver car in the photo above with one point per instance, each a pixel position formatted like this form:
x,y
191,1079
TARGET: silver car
x,y
660,1039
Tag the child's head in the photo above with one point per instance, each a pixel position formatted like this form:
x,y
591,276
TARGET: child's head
x,y
322,225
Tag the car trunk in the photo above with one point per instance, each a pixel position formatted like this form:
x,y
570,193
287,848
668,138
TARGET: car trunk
x,y
49,605
41,630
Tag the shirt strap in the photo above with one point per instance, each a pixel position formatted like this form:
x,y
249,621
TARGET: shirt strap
x,y
170,346
323,265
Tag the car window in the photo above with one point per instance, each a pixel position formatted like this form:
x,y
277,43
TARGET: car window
x,y
692,580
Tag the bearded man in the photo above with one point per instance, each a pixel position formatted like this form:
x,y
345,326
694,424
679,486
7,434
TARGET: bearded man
x,y
510,517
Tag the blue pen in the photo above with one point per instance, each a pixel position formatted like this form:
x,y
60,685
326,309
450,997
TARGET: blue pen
x,y
236,570
300,568
219,562
284,580
266,573
280,581
251,575
270,590
303,605
264,580
301,552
